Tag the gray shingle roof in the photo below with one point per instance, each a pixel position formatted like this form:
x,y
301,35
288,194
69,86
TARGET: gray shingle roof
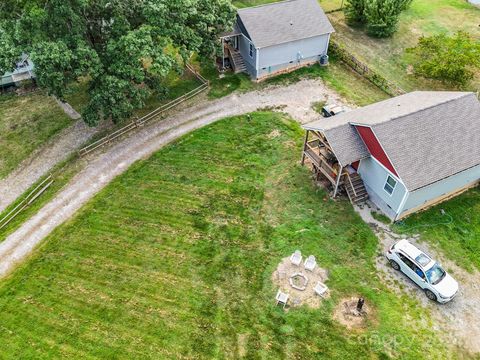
x,y
434,134
285,21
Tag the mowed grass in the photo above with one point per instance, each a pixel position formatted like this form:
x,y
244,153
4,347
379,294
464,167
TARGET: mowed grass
x,y
336,76
26,123
457,233
173,260
327,5
423,18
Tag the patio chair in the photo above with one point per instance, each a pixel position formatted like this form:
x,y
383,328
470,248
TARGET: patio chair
x,y
281,298
321,289
296,258
310,263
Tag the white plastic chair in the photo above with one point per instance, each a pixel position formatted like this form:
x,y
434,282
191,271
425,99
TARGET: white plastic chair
x,y
310,263
296,258
321,289
282,298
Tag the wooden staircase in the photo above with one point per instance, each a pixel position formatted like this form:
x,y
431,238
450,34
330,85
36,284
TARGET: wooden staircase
x,y
238,62
355,189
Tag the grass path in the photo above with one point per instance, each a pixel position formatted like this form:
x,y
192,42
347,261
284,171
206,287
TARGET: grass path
x,y
173,260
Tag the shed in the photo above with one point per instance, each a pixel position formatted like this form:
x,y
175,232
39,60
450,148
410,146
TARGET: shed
x,y
278,37
405,153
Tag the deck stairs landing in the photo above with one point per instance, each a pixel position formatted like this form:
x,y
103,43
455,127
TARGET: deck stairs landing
x,y
356,191
239,65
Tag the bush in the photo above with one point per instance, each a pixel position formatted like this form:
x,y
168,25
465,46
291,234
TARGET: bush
x,y
380,16
451,59
355,12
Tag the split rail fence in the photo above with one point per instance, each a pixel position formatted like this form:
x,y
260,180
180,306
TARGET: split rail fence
x,y
137,122
27,201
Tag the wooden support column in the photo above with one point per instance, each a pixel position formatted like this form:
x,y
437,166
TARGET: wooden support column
x,y
223,54
305,147
339,176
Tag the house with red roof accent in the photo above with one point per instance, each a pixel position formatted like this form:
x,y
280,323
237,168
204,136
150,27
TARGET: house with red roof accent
x,y
404,154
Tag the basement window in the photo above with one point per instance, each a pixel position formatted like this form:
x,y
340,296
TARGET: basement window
x,y
390,185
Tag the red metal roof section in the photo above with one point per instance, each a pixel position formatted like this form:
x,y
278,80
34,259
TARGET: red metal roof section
x,y
373,145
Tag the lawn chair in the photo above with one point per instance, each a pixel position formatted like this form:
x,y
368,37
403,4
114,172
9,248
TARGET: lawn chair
x,y
282,298
321,289
310,263
296,258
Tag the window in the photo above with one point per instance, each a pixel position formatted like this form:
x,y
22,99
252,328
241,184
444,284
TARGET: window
x,y
390,185
407,261
251,50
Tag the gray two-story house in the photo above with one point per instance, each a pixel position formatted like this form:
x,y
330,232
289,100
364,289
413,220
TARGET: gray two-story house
x,y
278,37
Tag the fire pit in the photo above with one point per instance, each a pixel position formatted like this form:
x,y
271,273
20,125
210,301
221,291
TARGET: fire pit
x,y
298,281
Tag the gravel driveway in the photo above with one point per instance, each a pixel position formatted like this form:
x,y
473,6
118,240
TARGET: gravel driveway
x,y
295,99
457,321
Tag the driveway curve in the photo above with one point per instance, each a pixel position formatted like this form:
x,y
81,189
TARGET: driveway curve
x,y
104,166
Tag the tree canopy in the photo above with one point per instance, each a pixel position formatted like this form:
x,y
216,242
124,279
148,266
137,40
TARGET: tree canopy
x,y
451,59
379,16
123,47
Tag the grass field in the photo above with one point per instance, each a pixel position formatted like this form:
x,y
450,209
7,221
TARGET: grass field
x,y
26,122
457,233
337,76
174,258
424,17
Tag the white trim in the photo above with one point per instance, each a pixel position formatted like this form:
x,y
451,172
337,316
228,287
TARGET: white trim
x,y
402,204
383,149
386,183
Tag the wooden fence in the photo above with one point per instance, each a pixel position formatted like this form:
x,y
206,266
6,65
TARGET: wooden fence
x,y
27,201
358,66
137,122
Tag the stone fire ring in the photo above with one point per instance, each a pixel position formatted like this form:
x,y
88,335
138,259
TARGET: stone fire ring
x,y
298,287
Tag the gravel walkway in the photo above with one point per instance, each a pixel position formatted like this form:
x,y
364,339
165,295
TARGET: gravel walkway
x,y
457,321
295,99
42,161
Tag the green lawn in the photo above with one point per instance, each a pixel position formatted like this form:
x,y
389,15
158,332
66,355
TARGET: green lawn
x,y
26,123
457,233
336,75
174,258
425,17
327,5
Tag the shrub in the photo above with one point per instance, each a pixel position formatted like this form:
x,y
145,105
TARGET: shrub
x,y
380,16
355,12
451,59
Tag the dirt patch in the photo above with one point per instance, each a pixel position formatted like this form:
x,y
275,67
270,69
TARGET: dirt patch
x,y
290,279
458,321
274,134
346,313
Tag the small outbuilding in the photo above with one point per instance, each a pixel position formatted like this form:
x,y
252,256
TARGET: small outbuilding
x,y
405,153
24,70
278,37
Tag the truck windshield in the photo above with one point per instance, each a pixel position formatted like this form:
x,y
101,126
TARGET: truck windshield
x,y
435,274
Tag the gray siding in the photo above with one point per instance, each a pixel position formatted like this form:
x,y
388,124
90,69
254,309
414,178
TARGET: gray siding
x,y
440,188
374,176
244,49
282,56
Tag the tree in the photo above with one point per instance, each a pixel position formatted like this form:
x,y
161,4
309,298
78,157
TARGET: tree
x,y
355,12
382,16
123,47
451,59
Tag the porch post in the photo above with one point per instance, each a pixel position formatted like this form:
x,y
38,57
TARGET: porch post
x,y
339,176
223,54
305,147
